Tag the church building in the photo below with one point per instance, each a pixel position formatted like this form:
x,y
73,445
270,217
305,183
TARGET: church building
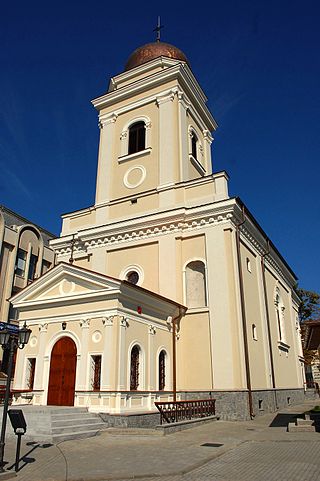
x,y
166,287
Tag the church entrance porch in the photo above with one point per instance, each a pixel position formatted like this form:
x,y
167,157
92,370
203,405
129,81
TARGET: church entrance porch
x,y
62,375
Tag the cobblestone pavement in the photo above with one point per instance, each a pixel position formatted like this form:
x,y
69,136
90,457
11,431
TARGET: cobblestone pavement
x,y
259,450
259,461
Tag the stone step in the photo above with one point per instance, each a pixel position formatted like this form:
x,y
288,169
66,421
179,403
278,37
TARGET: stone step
x,y
293,428
56,410
133,432
79,428
76,421
304,422
69,436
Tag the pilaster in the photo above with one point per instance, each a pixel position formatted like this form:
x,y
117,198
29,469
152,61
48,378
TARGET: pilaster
x,y
39,370
151,381
122,359
107,354
166,139
82,373
106,150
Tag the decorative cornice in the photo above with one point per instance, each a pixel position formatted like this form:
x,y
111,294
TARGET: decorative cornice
x,y
177,223
179,72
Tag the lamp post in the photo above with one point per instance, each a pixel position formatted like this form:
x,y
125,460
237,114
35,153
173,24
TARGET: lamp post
x,y
11,338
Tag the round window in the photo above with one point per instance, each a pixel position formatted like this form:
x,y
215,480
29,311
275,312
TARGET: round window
x,y
132,277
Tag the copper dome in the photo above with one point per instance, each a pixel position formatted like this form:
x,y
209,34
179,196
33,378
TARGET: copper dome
x,y
150,51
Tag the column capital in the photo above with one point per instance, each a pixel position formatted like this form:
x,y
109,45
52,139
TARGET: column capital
x,y
110,119
123,322
151,330
168,97
85,323
108,321
43,327
207,136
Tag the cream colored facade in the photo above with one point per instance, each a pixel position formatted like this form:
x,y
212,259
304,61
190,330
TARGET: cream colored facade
x,y
25,255
161,213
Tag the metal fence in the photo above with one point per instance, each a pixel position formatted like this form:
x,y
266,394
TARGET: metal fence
x,y
175,411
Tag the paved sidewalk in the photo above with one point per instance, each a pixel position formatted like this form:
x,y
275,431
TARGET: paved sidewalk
x,y
259,450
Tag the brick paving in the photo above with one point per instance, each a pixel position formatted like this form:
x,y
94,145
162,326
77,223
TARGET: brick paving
x,y
250,451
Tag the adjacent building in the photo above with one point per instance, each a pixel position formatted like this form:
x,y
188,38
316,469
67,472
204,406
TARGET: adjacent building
x,y
166,285
25,255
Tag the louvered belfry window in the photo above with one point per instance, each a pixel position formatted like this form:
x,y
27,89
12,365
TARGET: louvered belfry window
x,y
134,372
137,137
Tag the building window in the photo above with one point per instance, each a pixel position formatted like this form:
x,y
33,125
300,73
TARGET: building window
x,y
162,370
133,274
21,262
194,145
137,137
45,266
32,267
195,280
248,264
31,368
134,368
95,372
254,332
132,277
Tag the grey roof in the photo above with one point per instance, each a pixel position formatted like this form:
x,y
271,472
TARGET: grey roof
x,y
12,218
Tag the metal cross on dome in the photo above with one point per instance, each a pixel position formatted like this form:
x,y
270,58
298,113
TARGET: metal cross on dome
x,y
158,29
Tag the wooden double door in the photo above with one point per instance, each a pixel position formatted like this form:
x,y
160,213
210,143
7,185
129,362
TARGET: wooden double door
x,y
62,377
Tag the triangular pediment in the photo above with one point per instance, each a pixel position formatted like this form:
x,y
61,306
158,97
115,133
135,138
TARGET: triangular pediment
x,y
65,282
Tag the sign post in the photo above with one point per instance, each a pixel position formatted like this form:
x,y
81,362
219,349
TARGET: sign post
x,y
19,425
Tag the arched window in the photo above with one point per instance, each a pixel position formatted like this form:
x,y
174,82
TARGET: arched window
x,y
194,145
137,137
195,277
134,368
162,370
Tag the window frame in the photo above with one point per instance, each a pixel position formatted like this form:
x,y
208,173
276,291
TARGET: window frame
x,y
124,139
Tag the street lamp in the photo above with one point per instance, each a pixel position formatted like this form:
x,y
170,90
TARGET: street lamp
x,y
11,338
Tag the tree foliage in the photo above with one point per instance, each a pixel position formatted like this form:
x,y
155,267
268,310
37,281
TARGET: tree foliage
x,y
309,308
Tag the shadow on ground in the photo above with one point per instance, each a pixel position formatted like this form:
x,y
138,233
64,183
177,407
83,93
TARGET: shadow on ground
x,y
282,419
27,460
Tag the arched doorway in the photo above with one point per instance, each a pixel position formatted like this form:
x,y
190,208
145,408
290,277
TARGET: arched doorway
x,y
62,375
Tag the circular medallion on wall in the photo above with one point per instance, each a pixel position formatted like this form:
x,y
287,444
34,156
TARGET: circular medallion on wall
x,y
33,341
96,336
66,287
134,176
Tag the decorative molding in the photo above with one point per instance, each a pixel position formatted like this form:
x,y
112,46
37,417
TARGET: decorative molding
x,y
123,322
168,97
85,323
143,173
108,321
43,327
111,119
151,330
207,136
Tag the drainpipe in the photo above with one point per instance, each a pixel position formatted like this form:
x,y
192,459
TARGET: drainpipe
x,y
174,356
244,320
263,269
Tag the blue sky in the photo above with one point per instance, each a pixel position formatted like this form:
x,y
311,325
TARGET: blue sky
x,y
258,63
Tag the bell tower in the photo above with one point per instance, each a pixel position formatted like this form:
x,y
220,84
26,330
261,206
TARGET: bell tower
x,y
155,134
